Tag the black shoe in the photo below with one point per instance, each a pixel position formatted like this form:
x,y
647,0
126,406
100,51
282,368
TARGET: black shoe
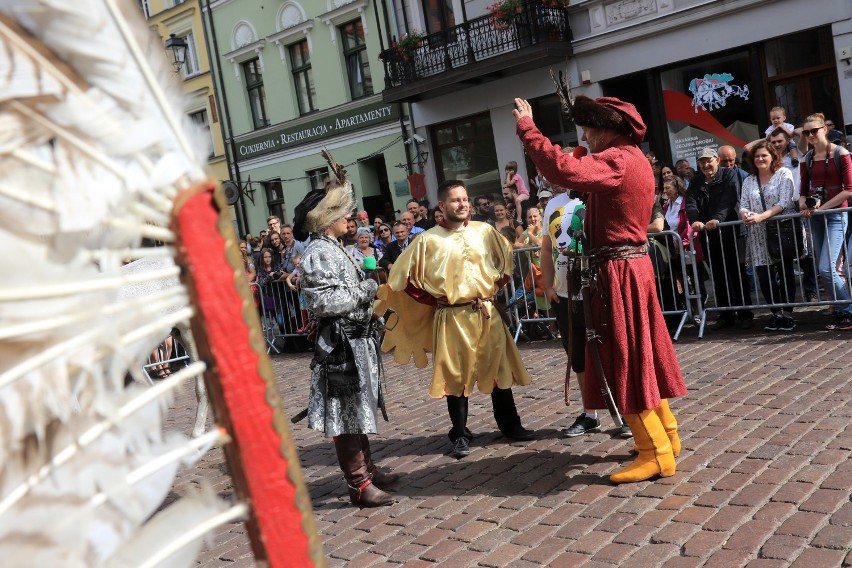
x,y
842,322
773,324
583,425
461,448
521,434
786,323
624,431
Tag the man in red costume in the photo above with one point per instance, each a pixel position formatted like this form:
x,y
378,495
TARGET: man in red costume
x,y
636,352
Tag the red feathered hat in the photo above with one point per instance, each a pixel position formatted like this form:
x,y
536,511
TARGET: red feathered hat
x,y
609,112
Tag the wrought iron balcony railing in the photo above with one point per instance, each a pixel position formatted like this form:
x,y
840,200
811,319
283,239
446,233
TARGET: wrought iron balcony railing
x,y
476,40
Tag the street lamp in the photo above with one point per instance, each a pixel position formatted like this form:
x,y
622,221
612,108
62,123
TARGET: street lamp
x,y
178,47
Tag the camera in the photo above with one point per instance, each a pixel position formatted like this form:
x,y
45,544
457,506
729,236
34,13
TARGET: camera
x,y
817,196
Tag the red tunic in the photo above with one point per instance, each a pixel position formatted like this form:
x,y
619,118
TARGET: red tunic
x,y
637,354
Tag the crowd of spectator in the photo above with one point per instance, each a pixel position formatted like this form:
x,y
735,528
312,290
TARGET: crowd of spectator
x,y
776,175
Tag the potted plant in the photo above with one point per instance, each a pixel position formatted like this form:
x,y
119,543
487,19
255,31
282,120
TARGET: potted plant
x,y
503,13
407,44
556,3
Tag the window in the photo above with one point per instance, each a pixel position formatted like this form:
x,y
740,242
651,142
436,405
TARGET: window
x,y
317,178
303,79
190,66
200,119
256,94
439,15
355,57
275,198
466,151
146,11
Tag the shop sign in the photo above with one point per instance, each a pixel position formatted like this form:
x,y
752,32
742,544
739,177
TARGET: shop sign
x,y
712,91
333,125
694,121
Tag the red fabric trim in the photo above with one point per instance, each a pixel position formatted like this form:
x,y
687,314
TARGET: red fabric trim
x,y
244,389
420,295
502,281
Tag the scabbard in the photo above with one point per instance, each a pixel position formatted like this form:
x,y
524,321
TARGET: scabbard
x,y
570,350
593,337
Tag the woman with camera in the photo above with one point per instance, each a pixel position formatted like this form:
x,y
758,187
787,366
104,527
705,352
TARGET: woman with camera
x,y
770,191
826,185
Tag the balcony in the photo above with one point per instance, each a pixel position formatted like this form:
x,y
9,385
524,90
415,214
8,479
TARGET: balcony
x,y
477,51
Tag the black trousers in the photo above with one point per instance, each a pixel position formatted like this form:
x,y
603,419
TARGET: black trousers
x,y
729,282
505,413
577,322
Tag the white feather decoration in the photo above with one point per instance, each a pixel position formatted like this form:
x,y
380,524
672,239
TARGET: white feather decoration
x,y
91,154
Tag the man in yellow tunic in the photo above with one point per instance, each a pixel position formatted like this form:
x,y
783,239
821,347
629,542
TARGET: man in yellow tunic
x,y
442,288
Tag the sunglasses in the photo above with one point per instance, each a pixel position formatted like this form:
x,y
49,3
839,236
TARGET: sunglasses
x,y
830,124
384,231
812,131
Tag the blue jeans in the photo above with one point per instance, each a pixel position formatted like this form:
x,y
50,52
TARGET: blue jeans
x,y
829,234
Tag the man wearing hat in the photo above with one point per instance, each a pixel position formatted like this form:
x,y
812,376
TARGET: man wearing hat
x,y
345,391
712,199
633,345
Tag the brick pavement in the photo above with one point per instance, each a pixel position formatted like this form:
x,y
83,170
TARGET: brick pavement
x,y
764,478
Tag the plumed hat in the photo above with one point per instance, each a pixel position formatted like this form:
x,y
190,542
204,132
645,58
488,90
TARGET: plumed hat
x,y
603,112
322,207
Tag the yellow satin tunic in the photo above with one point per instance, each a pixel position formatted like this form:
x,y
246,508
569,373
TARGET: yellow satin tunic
x,y
457,266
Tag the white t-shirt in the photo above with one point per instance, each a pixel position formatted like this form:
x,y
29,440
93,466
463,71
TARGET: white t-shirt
x,y
772,127
558,217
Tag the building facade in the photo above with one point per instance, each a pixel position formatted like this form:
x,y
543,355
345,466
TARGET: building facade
x,y
701,72
183,19
297,77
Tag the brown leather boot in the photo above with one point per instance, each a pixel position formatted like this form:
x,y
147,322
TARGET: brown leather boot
x,y
381,479
362,491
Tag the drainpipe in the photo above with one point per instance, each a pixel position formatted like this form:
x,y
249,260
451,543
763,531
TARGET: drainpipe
x,y
242,218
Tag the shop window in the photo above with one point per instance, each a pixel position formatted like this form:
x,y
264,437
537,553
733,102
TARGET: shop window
x,y
355,59
709,103
466,151
801,75
275,198
317,178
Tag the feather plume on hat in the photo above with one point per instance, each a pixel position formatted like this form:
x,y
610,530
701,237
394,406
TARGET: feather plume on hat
x,y
322,207
603,112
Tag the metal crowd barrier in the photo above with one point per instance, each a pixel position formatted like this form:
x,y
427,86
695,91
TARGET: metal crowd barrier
x,y
179,355
675,270
738,286
527,314
280,314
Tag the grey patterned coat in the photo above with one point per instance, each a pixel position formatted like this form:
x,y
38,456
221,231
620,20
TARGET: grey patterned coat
x,y
334,287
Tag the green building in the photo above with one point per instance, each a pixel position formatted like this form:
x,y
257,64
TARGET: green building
x,y
294,78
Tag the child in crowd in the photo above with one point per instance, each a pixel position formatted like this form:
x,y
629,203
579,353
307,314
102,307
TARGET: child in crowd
x,y
778,119
516,185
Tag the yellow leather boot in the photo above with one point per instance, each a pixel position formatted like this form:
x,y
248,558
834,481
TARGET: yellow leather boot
x,y
655,450
669,424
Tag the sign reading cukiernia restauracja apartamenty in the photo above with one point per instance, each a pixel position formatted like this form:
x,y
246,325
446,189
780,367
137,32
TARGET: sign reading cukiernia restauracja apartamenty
x,y
277,139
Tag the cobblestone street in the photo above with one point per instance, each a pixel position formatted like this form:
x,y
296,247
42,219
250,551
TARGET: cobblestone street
x,y
764,478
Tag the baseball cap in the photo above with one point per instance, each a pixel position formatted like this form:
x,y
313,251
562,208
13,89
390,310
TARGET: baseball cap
x,y
708,153
363,215
835,136
544,193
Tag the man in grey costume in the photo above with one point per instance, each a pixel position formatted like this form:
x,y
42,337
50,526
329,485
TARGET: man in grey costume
x,y
345,370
